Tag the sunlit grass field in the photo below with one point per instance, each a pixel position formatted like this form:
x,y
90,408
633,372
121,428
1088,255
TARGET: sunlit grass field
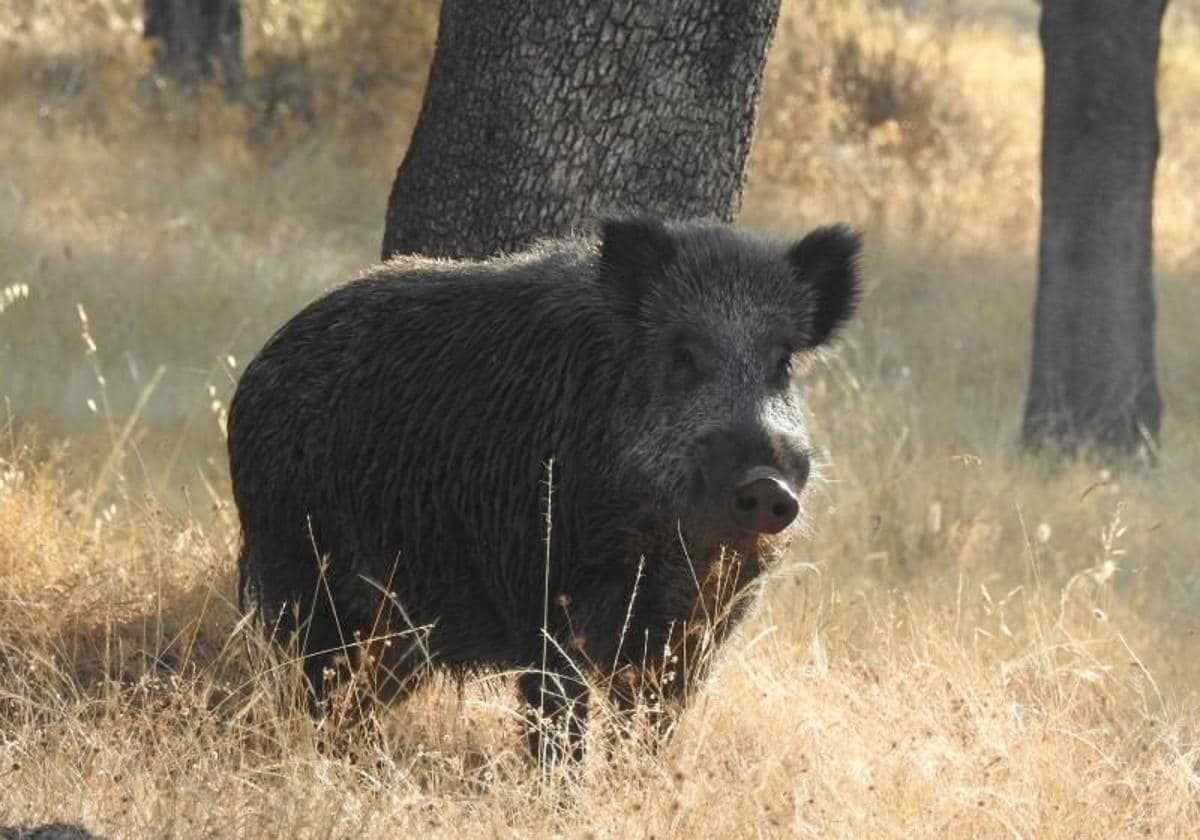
x,y
971,643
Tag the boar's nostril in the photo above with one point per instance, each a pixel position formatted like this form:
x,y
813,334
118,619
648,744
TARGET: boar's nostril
x,y
764,504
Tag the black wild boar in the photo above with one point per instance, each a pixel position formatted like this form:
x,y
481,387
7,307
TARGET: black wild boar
x,y
605,439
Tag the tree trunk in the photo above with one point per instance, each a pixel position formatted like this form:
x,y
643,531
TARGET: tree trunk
x,y
541,115
200,39
1093,379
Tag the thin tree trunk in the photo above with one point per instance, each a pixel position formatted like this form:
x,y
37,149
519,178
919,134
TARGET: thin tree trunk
x,y
540,115
200,39
1093,380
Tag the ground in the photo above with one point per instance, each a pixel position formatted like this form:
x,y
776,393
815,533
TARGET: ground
x,y
967,643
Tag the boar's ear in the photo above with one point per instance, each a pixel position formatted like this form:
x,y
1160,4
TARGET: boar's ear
x,y
826,261
633,250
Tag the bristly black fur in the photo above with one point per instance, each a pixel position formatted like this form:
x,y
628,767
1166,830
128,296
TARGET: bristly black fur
x,y
390,448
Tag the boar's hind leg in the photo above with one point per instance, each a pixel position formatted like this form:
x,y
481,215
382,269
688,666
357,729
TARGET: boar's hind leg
x,y
281,582
556,712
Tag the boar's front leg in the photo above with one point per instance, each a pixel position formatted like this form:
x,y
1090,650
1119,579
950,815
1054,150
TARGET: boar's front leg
x,y
556,711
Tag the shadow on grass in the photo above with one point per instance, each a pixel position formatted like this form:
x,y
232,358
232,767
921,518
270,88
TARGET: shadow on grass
x,y
47,831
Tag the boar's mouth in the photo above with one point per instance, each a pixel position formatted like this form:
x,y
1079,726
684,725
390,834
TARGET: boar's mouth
x,y
704,544
712,533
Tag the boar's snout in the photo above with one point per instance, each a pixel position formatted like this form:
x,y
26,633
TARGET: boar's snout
x,y
764,502
751,480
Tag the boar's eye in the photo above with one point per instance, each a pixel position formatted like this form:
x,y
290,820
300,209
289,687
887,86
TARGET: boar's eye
x,y
781,365
687,364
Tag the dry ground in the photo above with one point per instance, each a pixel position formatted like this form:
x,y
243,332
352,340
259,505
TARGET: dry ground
x,y
971,644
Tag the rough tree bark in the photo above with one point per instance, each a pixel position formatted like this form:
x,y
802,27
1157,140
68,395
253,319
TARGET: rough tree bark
x,y
540,115
200,39
1093,380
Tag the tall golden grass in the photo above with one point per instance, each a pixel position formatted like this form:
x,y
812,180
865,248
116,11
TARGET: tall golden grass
x,y
971,644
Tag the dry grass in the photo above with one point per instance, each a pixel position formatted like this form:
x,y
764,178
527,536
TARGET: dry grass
x,y
970,646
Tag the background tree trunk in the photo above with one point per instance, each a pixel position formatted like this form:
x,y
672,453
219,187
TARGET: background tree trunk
x,y
1093,350
540,115
200,39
